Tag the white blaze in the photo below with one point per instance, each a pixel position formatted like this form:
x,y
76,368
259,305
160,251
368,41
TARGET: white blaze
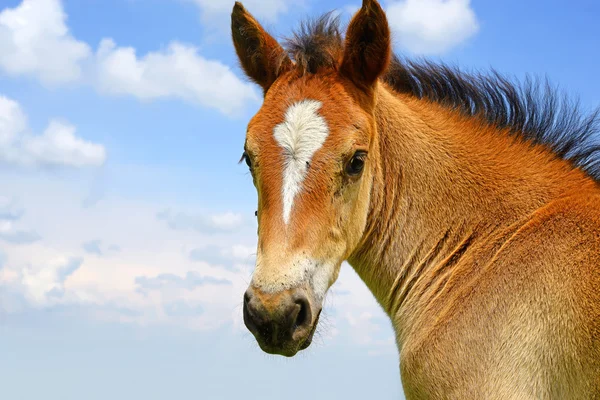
x,y
301,134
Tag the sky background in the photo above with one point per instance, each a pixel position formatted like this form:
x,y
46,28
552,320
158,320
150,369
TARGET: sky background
x,y
127,228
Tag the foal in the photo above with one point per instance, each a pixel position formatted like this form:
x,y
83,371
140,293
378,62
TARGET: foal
x,y
466,205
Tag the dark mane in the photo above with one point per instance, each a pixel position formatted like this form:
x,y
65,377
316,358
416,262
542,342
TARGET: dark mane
x,y
316,44
533,110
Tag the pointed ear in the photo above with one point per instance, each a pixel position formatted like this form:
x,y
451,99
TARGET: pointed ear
x,y
367,50
262,58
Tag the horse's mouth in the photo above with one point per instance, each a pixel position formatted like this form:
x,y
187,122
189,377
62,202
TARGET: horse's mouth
x,y
309,338
289,349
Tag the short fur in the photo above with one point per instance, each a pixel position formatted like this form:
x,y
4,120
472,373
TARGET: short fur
x,y
475,221
534,111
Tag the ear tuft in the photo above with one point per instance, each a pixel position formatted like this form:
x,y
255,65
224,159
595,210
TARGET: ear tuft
x,y
238,7
367,49
261,57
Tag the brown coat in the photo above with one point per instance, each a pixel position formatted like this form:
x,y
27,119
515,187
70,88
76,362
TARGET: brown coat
x,y
476,231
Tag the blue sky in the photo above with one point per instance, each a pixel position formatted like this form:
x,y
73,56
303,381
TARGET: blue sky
x,y
126,225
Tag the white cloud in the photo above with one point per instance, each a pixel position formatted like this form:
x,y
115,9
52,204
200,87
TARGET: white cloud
x,y
56,146
190,281
39,286
218,223
153,280
432,26
97,248
227,221
10,214
43,283
176,72
230,257
10,234
93,247
243,253
9,209
150,281
35,41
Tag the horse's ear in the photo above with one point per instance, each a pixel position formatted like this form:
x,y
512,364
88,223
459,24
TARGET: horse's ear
x,y
367,50
262,58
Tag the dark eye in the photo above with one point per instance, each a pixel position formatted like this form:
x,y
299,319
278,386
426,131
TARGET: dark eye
x,y
246,158
356,164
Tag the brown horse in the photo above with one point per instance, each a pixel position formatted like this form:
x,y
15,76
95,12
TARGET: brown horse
x,y
467,204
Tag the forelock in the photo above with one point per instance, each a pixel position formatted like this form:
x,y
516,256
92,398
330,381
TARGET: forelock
x,y
317,44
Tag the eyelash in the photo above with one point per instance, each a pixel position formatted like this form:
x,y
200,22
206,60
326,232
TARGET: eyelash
x,y
245,157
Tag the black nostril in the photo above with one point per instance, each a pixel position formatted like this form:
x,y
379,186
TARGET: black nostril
x,y
304,316
246,298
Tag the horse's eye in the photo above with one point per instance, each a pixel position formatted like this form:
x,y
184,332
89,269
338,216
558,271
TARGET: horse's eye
x,y
356,164
246,158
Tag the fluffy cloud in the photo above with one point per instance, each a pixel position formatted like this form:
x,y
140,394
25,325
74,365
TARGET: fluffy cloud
x,y
226,256
40,286
35,41
176,72
219,223
10,214
97,248
190,281
93,247
153,280
432,26
10,210
56,146
10,234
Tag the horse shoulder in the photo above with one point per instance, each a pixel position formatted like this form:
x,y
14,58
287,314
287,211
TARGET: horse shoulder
x,y
528,325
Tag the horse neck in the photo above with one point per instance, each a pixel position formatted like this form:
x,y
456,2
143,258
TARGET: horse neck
x,y
443,183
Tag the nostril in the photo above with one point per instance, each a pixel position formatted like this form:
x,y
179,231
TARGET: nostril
x,y
304,316
249,314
